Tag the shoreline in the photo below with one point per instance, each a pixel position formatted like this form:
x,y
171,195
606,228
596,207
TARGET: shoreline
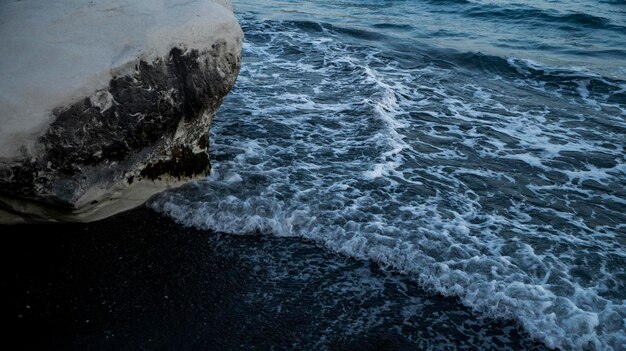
x,y
138,281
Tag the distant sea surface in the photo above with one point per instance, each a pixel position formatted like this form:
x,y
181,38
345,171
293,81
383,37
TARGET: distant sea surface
x,y
476,147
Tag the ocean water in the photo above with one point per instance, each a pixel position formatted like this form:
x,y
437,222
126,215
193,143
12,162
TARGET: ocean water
x,y
477,147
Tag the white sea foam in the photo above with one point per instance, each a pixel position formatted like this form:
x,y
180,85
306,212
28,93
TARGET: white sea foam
x,y
516,207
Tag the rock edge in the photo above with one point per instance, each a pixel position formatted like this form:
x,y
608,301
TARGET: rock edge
x,y
110,151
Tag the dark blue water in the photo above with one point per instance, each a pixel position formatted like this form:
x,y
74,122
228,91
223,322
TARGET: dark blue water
x,y
477,147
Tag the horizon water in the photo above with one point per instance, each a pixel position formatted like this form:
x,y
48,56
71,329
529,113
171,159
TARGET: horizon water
x,y
475,146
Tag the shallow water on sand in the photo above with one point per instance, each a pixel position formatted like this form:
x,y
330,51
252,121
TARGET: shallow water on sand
x,y
138,281
475,146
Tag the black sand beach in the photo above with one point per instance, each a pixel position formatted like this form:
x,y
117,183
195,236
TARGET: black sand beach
x,y
139,281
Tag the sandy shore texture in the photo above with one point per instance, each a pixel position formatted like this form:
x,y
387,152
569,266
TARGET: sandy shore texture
x,y
139,281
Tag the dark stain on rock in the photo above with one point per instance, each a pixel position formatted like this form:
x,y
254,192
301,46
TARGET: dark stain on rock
x,y
183,163
203,143
145,108
135,113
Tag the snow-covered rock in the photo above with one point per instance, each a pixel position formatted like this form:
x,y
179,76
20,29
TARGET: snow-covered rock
x,y
103,104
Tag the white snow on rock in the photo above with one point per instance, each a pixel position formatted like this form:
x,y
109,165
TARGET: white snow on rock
x,y
55,52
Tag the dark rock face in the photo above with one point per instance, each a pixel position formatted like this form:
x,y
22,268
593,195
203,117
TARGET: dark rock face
x,y
149,126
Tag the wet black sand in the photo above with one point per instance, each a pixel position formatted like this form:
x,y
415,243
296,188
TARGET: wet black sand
x,y
139,281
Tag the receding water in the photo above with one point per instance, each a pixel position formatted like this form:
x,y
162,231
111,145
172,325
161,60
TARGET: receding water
x,y
477,147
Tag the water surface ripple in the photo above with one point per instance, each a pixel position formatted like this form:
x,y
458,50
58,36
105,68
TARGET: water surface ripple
x,y
475,146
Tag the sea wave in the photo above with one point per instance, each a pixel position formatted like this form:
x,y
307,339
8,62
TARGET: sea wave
x,y
500,181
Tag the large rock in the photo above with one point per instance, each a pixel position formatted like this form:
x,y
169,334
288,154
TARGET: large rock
x,y
103,104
